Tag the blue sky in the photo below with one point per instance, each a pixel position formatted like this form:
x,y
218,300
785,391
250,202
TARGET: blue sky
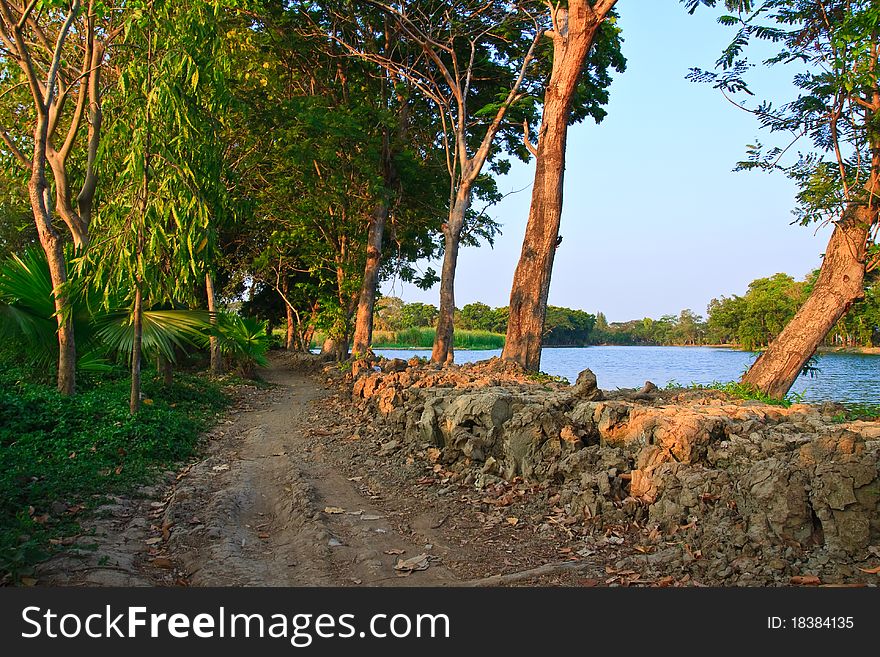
x,y
654,220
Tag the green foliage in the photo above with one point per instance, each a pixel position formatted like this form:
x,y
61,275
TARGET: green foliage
x,y
164,331
543,377
73,451
752,321
567,327
479,316
832,47
744,391
423,338
686,328
854,412
103,325
243,340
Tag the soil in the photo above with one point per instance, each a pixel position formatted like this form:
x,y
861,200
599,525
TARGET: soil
x,y
281,497
300,487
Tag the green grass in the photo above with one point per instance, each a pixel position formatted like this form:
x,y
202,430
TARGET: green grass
x,y
859,412
78,450
423,338
742,391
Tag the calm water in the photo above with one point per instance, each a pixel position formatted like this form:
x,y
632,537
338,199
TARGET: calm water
x,y
843,377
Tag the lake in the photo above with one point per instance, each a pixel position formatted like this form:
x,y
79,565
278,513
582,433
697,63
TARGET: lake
x,y
842,377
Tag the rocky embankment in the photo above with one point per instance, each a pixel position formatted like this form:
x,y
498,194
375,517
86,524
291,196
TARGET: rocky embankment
x,y
749,493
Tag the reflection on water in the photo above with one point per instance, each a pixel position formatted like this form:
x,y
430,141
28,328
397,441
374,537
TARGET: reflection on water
x,y
842,377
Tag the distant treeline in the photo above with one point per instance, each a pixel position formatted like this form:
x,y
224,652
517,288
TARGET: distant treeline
x,y
750,321
563,326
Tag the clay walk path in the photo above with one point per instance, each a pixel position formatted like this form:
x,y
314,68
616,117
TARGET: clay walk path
x,y
268,509
262,507
292,490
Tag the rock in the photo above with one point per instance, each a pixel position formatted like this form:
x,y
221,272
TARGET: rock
x,y
395,365
586,386
734,479
646,392
389,448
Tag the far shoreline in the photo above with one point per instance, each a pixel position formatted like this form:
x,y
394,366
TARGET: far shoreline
x,y
856,351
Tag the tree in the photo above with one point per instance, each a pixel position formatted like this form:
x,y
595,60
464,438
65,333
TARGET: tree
x,y
477,316
167,191
339,177
838,110
59,53
724,317
575,28
472,60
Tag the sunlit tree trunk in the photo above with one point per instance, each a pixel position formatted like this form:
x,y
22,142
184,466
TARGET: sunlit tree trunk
x,y
840,284
363,328
573,36
290,341
442,351
216,356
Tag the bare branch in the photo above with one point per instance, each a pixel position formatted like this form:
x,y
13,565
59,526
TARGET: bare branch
x,y
51,78
16,151
25,14
529,145
16,45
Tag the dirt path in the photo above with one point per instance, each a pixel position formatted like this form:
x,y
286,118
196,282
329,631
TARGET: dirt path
x,y
294,489
253,512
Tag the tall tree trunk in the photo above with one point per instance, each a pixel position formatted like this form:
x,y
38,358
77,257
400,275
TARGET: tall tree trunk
x,y
443,341
531,281
840,284
329,348
291,322
66,341
216,356
134,403
38,193
290,341
363,327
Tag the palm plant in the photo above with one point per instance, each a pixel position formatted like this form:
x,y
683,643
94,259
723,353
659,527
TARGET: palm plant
x,y
243,340
103,323
27,312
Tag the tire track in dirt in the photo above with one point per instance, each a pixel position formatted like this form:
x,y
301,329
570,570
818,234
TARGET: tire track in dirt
x,y
253,512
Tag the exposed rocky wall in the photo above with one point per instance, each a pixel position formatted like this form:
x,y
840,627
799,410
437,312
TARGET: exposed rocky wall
x,y
742,474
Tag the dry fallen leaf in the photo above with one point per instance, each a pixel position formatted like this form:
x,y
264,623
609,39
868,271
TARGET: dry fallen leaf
x,y
395,552
153,541
162,562
407,566
513,521
333,510
805,580
264,536
433,454
871,571
28,581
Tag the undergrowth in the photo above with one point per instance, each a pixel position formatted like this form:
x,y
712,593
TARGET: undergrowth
x,y
61,456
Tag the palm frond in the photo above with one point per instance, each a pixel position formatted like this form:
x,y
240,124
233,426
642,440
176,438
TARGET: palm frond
x,y
164,331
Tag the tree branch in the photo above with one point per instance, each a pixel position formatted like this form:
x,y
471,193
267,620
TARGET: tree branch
x,y
529,145
16,151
